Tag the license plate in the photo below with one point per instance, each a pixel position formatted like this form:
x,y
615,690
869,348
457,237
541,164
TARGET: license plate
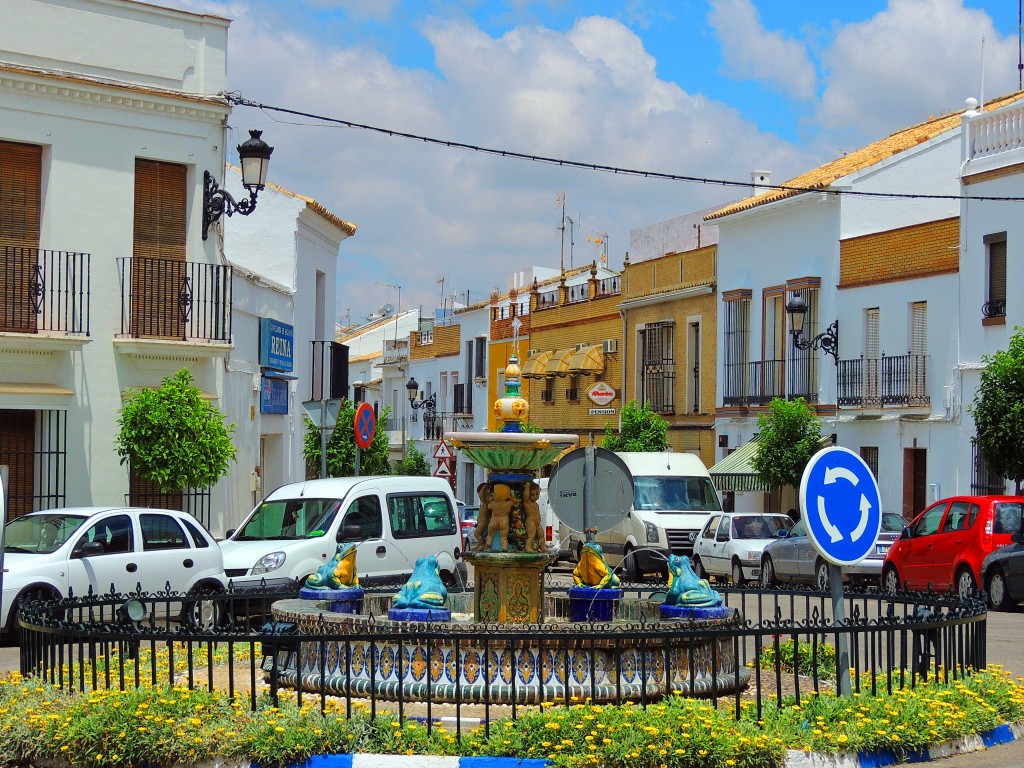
x,y
756,573
881,549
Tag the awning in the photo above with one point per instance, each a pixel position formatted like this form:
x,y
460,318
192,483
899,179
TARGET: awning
x,y
535,365
735,473
558,365
587,360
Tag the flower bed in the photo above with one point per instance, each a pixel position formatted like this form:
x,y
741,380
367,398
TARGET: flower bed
x,y
175,726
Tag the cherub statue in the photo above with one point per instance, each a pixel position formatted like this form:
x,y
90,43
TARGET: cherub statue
x,y
483,518
500,506
337,573
531,518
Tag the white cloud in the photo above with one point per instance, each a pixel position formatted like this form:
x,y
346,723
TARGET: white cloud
x,y
915,59
751,52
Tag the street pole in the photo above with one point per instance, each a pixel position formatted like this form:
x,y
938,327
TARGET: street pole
x,y
323,439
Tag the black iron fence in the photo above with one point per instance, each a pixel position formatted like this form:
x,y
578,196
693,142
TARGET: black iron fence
x,y
875,382
42,290
123,641
171,299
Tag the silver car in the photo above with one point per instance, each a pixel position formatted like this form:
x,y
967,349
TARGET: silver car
x,y
793,558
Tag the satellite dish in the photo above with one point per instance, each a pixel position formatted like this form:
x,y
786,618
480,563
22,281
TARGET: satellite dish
x,y
387,310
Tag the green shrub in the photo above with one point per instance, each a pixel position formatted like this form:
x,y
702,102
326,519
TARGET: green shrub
x,y
799,656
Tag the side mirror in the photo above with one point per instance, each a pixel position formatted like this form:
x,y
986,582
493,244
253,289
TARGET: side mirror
x,y
88,549
722,537
782,533
1018,537
906,534
229,533
350,533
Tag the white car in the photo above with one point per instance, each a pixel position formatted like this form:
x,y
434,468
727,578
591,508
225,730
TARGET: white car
x,y
119,549
393,520
730,544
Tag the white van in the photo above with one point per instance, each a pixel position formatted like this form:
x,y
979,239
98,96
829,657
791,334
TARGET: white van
x,y
394,521
672,498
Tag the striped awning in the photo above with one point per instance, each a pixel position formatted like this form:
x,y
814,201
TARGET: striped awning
x,y
735,473
558,365
535,366
587,360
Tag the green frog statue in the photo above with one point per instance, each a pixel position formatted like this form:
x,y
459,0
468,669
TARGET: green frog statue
x,y
337,573
685,588
424,590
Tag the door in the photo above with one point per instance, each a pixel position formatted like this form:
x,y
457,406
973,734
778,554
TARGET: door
x,y
916,554
371,547
116,568
704,545
915,481
169,562
948,544
720,547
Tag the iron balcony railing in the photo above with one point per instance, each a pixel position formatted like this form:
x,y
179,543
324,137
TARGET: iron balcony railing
x,y
876,382
44,291
756,383
170,299
994,308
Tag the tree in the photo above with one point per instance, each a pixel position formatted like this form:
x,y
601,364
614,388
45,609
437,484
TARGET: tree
x,y
173,438
998,411
415,462
642,430
789,435
341,448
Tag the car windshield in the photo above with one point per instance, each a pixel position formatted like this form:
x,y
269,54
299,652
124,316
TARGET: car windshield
x,y
892,522
40,533
673,493
760,526
289,519
470,514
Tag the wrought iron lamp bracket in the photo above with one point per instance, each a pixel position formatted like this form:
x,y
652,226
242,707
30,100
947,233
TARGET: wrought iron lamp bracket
x,y
218,201
827,341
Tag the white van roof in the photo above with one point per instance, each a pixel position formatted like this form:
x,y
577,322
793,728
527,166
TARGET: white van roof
x,y
663,463
338,487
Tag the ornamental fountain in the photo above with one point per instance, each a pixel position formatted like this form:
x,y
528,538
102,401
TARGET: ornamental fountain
x,y
507,641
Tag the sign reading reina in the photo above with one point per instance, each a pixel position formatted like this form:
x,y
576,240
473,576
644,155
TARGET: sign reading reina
x,y
276,340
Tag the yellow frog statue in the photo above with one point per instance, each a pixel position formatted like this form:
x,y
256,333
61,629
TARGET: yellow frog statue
x,y
592,569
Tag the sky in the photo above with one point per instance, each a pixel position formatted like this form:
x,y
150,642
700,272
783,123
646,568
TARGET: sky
x,y
712,89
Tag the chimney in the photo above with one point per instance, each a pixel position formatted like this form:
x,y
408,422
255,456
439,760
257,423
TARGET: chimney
x,y
760,181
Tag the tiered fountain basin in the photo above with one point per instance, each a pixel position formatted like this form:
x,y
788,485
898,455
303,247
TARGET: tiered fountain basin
x,y
636,656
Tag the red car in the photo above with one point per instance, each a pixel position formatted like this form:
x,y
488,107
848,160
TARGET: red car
x,y
944,546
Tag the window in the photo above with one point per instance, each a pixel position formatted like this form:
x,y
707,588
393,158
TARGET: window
x,y
957,519
414,514
161,532
547,395
290,519
480,358
572,394
158,251
710,528
657,366
871,377
114,533
917,368
1006,517
693,343
870,455
736,337
995,296
929,521
20,210
984,481
803,367
365,513
199,539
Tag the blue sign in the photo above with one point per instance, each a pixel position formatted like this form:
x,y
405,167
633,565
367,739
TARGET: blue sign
x,y
841,505
276,341
274,397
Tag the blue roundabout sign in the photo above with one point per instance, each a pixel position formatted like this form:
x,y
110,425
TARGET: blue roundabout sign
x,y
841,505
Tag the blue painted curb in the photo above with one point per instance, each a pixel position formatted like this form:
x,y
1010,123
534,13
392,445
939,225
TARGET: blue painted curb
x,y
420,761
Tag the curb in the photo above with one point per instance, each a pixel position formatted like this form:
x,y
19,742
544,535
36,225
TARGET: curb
x,y
407,761
1002,734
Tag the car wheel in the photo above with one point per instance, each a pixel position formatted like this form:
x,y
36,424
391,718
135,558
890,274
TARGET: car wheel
x,y
451,582
890,579
206,612
821,575
737,574
998,594
13,631
698,568
768,573
631,566
965,583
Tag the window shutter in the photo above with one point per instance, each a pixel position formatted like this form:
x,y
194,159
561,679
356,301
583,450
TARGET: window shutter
x,y
919,328
997,270
20,205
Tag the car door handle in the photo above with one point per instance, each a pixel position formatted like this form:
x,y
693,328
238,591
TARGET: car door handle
x,y
131,567
187,562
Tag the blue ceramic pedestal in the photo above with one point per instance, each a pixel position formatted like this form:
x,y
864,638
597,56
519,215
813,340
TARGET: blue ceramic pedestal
x,y
593,603
690,612
420,614
345,600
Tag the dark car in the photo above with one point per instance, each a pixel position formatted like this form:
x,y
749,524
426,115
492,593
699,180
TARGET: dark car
x,y
1002,573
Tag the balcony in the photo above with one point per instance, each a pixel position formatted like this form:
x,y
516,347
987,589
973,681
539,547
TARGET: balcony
x,y
610,286
889,380
994,133
756,383
44,292
175,300
396,350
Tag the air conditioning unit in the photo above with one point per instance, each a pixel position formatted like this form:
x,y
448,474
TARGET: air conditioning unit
x,y
610,346
581,346
532,352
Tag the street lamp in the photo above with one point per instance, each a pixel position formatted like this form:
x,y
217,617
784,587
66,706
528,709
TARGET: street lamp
x,y
827,341
430,403
254,155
